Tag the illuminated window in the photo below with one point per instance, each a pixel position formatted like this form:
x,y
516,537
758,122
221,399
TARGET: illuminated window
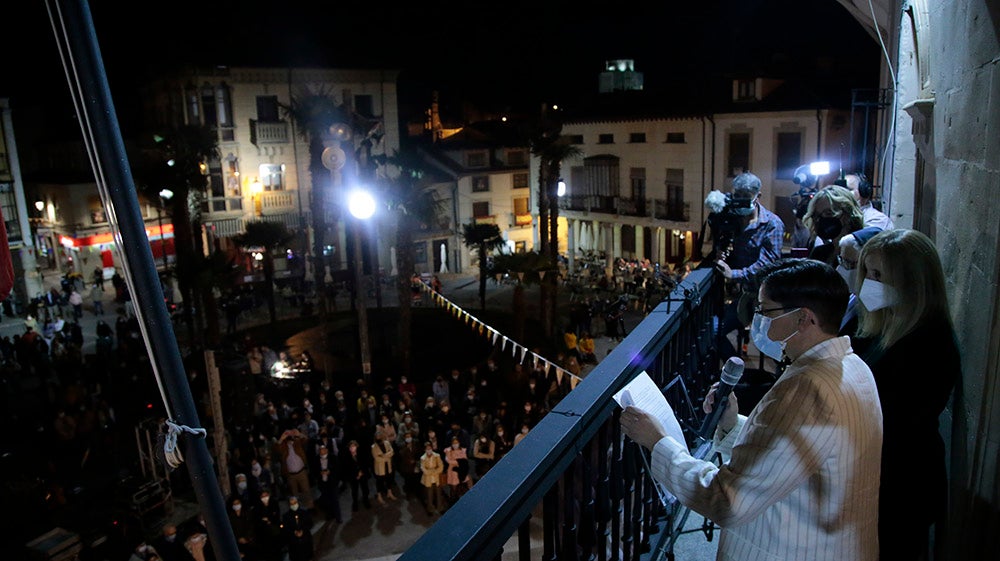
x,y
272,176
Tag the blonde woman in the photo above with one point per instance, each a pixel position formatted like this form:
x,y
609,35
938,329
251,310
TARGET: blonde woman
x,y
432,467
914,356
382,453
832,214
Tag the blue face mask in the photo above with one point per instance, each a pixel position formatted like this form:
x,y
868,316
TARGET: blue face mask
x,y
758,332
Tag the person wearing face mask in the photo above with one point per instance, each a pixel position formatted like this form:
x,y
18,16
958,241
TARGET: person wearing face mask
x,y
356,471
847,267
457,460
431,468
800,475
408,454
914,355
267,526
757,241
501,442
297,527
832,213
242,523
170,547
241,490
483,451
385,478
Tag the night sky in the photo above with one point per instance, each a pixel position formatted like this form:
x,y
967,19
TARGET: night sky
x,y
505,55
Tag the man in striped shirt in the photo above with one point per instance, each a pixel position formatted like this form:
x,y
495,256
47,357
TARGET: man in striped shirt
x,y
800,475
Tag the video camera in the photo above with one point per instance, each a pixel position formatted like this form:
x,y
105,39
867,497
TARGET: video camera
x,y
727,217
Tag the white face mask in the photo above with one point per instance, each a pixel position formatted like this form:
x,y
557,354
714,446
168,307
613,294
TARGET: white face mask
x,y
237,507
265,500
849,276
876,295
758,333
294,506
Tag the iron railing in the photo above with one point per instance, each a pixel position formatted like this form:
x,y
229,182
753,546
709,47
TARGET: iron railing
x,y
576,471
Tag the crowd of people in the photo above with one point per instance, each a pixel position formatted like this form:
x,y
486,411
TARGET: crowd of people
x,y
339,449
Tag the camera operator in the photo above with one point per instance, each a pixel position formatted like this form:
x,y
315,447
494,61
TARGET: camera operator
x,y
753,236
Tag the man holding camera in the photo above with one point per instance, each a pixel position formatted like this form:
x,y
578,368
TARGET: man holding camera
x,y
756,240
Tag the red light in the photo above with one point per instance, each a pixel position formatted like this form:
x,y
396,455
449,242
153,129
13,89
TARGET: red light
x,y
149,406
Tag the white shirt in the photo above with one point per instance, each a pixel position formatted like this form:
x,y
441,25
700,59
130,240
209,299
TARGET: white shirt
x,y
803,476
875,217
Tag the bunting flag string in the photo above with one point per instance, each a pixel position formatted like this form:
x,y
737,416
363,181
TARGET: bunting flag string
x,y
491,332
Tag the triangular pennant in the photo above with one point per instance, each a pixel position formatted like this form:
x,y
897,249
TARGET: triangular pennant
x,y
541,274
520,275
503,343
547,366
573,382
524,351
559,375
495,335
481,327
534,360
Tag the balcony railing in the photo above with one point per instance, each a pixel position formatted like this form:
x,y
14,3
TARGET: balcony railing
x,y
653,208
278,201
596,500
268,133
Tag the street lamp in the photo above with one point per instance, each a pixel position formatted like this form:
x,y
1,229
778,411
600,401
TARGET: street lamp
x,y
165,195
361,204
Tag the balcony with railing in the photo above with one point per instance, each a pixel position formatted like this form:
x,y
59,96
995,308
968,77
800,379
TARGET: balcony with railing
x,y
268,133
575,468
653,208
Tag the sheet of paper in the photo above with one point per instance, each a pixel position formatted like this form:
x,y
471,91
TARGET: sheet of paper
x,y
644,394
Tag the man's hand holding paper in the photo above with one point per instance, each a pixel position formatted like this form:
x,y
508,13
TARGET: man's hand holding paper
x,y
647,417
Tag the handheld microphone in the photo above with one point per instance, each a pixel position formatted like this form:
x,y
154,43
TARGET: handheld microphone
x,y
732,371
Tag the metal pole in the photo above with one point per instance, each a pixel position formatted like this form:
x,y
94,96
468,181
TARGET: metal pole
x,y
74,32
362,305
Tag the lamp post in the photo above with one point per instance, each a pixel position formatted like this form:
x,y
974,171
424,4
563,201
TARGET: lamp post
x,y
165,195
362,207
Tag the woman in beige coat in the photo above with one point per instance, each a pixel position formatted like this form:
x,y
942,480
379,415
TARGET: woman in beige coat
x,y
384,477
432,467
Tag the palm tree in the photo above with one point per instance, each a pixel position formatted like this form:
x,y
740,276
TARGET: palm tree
x,y
527,267
551,149
175,158
485,238
268,236
414,207
313,113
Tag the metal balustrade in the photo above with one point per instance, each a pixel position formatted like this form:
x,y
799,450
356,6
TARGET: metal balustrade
x,y
575,468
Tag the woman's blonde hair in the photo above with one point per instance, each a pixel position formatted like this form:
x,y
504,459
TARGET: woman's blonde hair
x,y
910,265
841,202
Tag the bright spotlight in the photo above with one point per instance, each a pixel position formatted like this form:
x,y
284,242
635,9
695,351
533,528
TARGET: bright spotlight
x,y
819,168
561,188
361,204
